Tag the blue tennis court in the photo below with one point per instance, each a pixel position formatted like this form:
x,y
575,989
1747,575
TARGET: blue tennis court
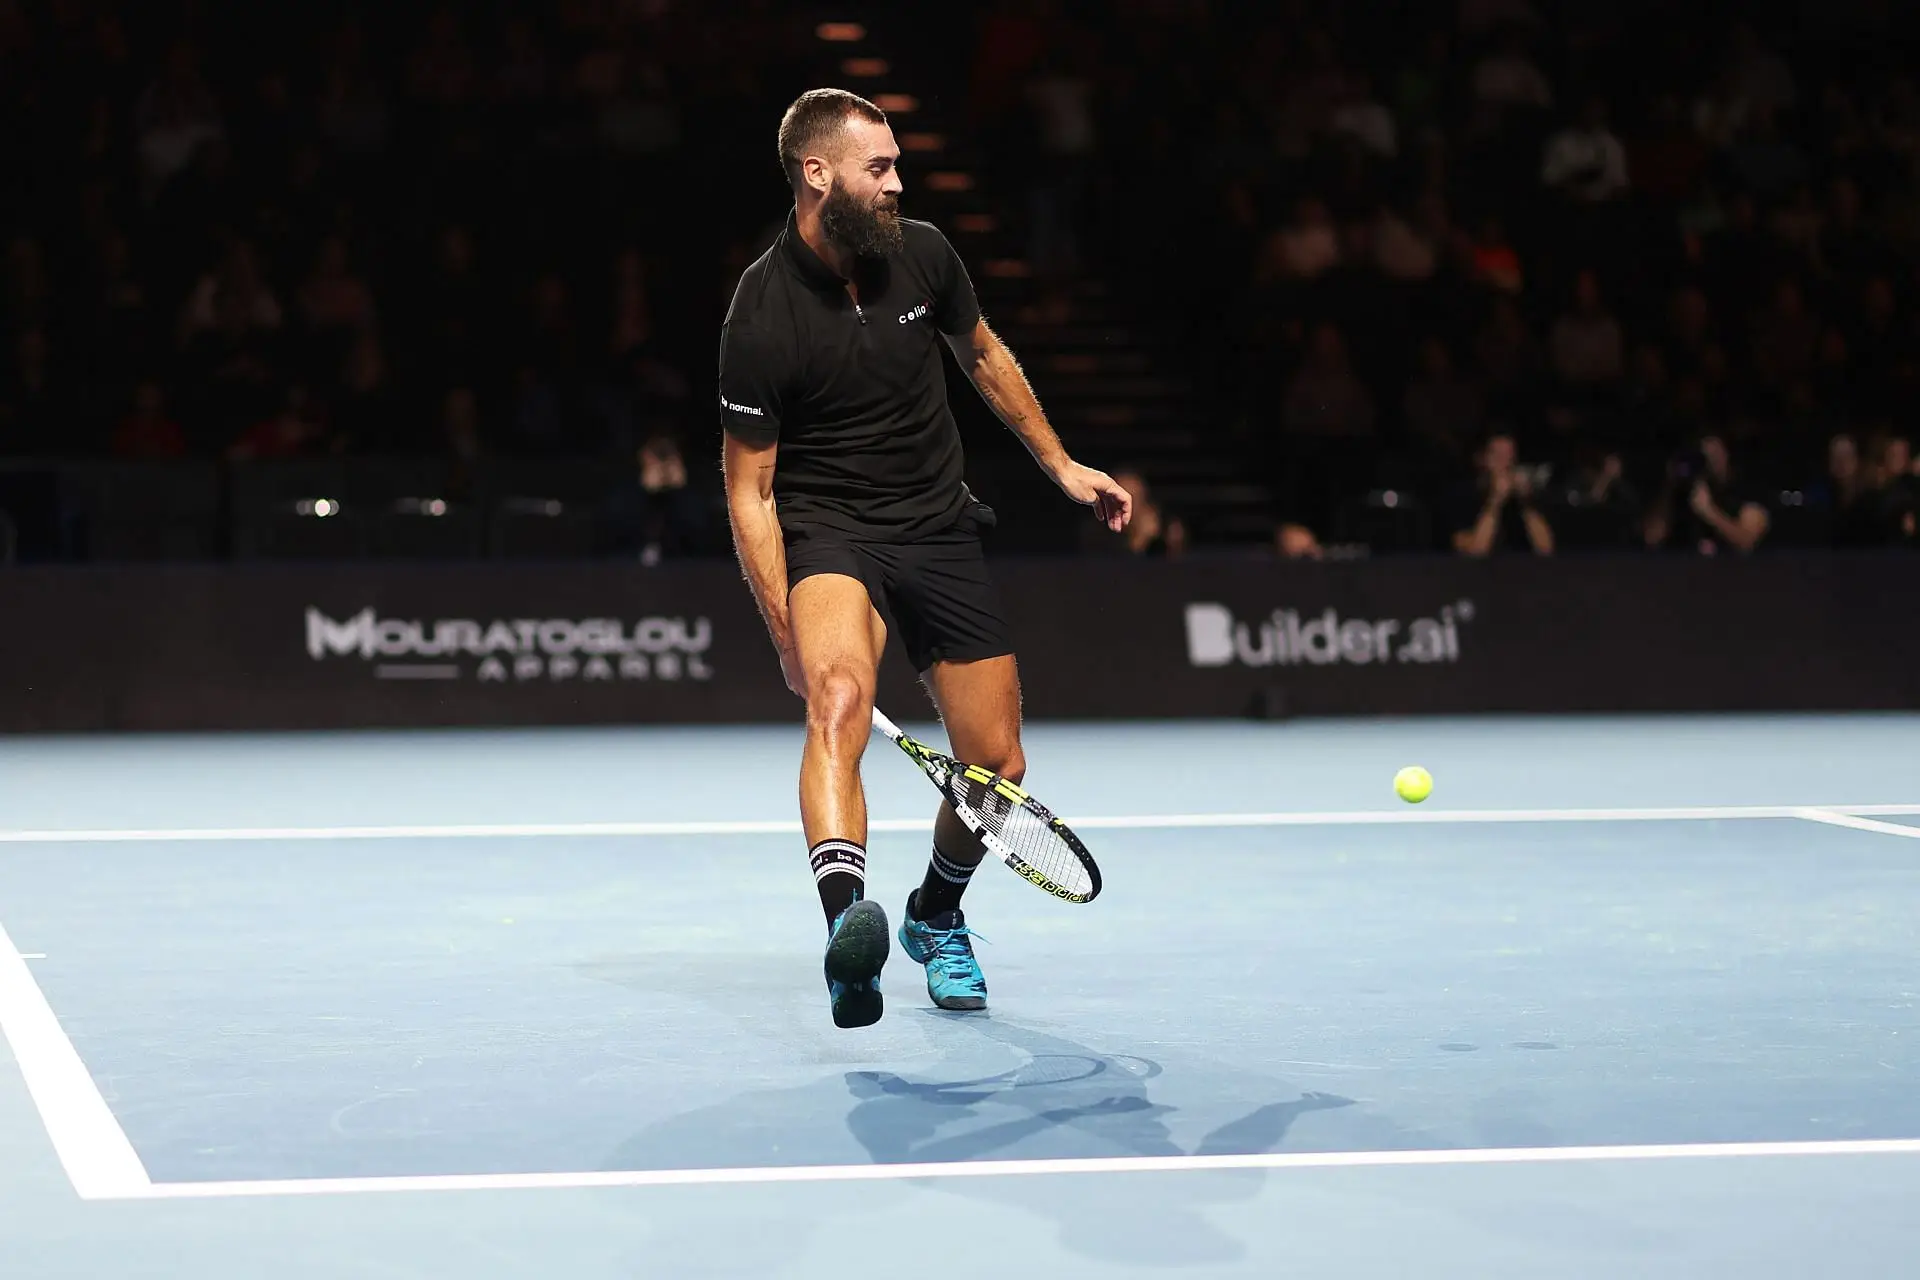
x,y
1627,996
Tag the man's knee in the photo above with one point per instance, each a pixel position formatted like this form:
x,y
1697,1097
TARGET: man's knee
x,y
1005,759
839,704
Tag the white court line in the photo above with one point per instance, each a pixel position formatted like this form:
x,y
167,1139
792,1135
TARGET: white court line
x,y
99,1160
1017,1168
780,826
1858,823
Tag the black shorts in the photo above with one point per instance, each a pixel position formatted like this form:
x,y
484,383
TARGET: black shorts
x,y
935,591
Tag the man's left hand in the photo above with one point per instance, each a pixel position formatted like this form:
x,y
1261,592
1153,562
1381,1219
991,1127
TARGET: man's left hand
x,y
1701,500
1112,504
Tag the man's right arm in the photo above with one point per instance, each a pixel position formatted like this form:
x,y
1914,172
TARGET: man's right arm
x,y
751,379
756,533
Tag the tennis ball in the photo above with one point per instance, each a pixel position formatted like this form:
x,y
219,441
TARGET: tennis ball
x,y
1413,784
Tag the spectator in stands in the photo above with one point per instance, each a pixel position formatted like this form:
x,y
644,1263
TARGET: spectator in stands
x,y
295,430
1362,119
1585,162
364,415
1602,508
1509,355
25,292
234,299
1296,542
174,117
1690,330
631,307
353,115
456,327
1707,508
1756,74
31,411
148,431
1325,400
460,439
335,298
1885,355
1403,250
1847,248
1305,248
1443,411
1500,512
655,513
1588,346
1494,263
1765,160
1898,478
1846,497
1509,77
1786,338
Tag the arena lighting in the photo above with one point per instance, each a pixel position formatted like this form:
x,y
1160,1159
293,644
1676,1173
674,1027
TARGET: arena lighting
x,y
321,507
975,223
841,32
949,180
865,68
897,103
922,142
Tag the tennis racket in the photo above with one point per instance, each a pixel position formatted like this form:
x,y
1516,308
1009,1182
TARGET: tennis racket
x,y
1012,825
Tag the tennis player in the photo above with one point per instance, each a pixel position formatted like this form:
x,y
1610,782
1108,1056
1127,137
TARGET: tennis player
x,y
845,493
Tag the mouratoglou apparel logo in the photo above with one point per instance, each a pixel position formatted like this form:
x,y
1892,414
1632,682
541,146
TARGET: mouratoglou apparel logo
x,y
517,649
1287,638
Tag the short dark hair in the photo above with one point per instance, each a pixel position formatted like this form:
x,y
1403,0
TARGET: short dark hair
x,y
815,116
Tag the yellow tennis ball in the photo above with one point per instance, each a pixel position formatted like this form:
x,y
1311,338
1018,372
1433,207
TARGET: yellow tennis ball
x,y
1413,784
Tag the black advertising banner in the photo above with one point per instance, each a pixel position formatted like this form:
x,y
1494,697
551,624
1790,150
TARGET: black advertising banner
x,y
305,647
287,646
1431,635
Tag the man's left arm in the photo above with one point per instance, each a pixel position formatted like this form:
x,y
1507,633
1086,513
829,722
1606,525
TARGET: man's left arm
x,y
987,362
1742,531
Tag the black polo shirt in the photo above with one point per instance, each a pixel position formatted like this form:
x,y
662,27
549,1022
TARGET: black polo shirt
x,y
855,395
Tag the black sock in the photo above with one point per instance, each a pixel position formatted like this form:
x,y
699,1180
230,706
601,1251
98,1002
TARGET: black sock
x,y
839,873
946,880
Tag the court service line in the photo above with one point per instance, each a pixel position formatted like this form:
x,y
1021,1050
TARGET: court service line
x,y
93,1148
1858,823
1408,816
1019,1168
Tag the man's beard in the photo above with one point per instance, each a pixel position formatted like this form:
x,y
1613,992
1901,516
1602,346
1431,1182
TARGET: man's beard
x,y
867,231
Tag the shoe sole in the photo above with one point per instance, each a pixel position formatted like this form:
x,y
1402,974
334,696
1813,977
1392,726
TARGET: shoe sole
x,y
960,1004
855,956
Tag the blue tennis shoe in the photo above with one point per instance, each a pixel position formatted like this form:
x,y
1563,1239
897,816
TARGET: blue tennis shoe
x,y
856,952
944,945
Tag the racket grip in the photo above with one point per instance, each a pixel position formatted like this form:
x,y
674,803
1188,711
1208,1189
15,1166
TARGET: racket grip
x,y
885,725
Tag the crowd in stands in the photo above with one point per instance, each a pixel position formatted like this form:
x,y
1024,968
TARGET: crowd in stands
x,y
1549,275
1559,274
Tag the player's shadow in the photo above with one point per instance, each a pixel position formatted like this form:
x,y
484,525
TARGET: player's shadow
x,y
1070,1101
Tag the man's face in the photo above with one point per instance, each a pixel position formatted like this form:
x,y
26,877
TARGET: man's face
x,y
1499,455
861,212
1713,450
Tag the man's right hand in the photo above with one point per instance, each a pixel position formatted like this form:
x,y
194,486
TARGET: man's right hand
x,y
791,669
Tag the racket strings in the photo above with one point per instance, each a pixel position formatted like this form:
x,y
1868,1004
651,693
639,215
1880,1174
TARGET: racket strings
x,y
1027,836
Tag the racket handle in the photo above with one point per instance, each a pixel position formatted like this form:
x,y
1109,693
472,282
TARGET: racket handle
x,y
885,725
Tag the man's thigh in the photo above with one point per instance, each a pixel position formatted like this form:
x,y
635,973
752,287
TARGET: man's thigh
x,y
836,630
